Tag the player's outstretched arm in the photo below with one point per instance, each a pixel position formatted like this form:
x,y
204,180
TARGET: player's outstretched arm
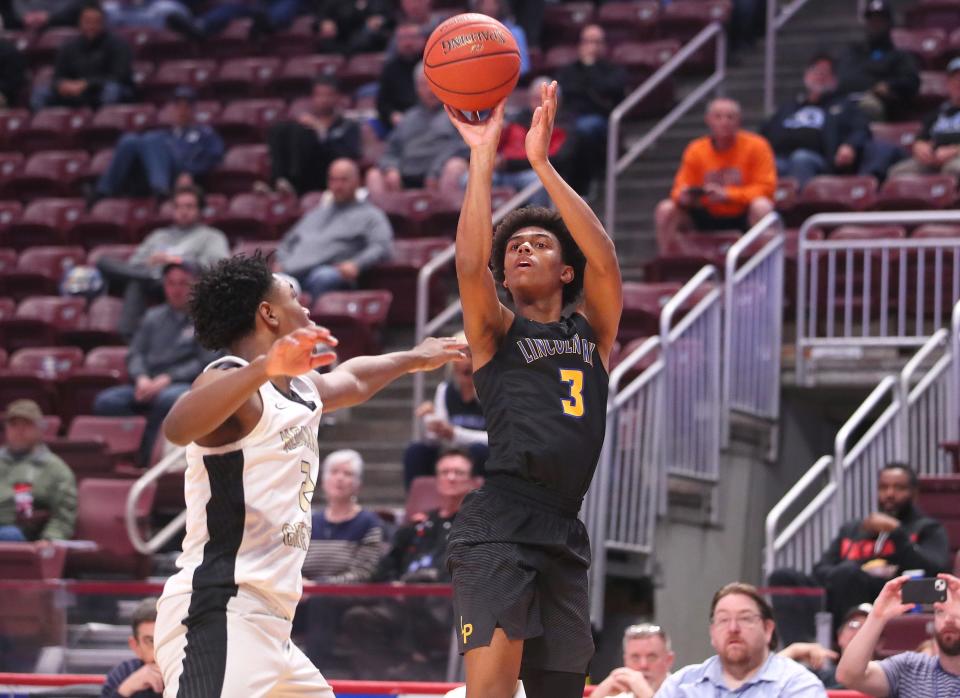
x,y
359,379
602,286
485,318
223,406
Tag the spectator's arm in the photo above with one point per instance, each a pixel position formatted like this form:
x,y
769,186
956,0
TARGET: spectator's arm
x,y
905,82
62,67
390,566
390,160
379,236
829,561
762,179
145,249
187,371
206,154
803,685
455,148
856,127
386,102
461,435
118,68
137,352
931,552
217,248
63,505
856,670
689,174
365,562
349,145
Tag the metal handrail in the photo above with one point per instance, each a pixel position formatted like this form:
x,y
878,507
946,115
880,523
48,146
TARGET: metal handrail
x,y
617,165
147,547
953,399
780,508
707,273
775,23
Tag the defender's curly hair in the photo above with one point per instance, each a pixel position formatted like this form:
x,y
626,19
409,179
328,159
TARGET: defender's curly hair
x,y
549,220
224,300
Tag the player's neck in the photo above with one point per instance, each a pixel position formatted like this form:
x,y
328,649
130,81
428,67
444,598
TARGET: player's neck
x,y
539,310
335,512
951,665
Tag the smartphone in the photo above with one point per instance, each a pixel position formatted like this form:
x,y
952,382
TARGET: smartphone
x,y
926,590
695,192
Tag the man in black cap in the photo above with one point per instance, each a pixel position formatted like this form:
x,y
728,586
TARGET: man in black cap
x,y
38,493
937,148
882,78
163,360
166,157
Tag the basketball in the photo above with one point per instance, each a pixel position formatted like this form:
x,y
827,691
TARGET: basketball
x,y
471,62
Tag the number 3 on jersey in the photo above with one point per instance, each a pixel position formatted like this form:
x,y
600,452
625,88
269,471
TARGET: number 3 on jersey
x,y
574,379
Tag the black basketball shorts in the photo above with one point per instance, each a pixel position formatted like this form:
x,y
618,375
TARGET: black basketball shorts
x,y
520,564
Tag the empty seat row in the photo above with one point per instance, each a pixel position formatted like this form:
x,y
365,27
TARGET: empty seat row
x,y
933,46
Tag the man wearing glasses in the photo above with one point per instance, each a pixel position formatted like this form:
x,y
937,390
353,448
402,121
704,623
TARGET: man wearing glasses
x,y
647,660
743,634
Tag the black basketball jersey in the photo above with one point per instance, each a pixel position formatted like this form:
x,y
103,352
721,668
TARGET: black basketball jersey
x,y
544,397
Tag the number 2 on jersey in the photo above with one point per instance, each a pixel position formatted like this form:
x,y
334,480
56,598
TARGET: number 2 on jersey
x,y
574,378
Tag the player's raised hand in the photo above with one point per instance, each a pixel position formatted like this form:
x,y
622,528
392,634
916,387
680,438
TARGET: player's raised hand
x,y
541,125
479,135
296,353
434,352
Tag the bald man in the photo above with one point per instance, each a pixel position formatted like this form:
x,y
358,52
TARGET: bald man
x,y
726,180
332,244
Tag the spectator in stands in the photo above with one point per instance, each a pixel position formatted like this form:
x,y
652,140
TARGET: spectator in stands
x,y
187,239
13,74
818,132
353,26
90,70
529,15
383,633
139,677
647,660
163,360
148,14
743,634
166,157
822,660
301,151
424,150
396,92
883,79
868,552
267,16
332,244
910,673
38,493
453,420
592,86
726,179
499,10
38,15
937,148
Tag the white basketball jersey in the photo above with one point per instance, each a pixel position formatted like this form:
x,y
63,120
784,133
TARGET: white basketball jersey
x,y
248,503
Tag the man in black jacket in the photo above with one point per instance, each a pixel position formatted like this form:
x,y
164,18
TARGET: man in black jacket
x,y
13,74
91,70
818,132
881,78
397,91
869,552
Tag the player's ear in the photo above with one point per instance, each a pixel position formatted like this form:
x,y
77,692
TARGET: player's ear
x,y
267,313
568,274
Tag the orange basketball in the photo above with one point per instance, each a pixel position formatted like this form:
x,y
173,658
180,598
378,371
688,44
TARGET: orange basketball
x,y
471,62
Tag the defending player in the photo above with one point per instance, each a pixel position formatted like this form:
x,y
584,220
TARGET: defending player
x,y
251,422
518,553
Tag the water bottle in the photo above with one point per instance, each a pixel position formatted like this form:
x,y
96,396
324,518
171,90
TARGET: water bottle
x,y
824,625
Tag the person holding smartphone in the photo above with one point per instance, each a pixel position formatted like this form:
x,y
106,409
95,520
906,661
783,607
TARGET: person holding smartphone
x,y
910,674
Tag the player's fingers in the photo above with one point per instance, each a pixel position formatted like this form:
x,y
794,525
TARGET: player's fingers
x,y
499,109
324,359
537,115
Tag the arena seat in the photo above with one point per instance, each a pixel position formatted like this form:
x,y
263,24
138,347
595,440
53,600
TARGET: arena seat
x,y
8,307
233,41
562,23
904,634
119,252
688,253
902,133
12,121
155,45
11,165
170,75
642,59
933,91
356,318
54,363
399,276
112,121
829,193
111,222
422,496
101,506
99,325
242,166
121,435
204,112
8,259
43,49
683,19
39,320
911,192
240,78
629,21
622,352
49,173
642,303
52,128
108,358
257,216
10,211
297,74
418,213
933,14
40,269
929,45
360,69
77,391
31,615
247,120
19,384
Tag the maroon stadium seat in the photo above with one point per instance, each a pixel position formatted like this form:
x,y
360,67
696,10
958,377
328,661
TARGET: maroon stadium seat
x,y
10,166
119,252
682,19
8,259
928,45
99,163
53,362
52,128
399,276
902,134
39,320
49,173
19,384
101,519
904,634
242,166
559,57
299,39
562,22
911,192
10,212
629,21
30,561
688,253
643,59
122,435
77,392
933,91
44,48
204,112
111,221
99,326
419,213
297,74
356,318
243,77
12,121
108,359
642,303
170,75
114,120
8,306
828,193
40,269
154,45
234,40
422,497
620,353
257,216
933,14
360,69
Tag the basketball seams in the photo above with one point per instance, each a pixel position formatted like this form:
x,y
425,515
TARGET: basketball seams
x,y
480,92
472,58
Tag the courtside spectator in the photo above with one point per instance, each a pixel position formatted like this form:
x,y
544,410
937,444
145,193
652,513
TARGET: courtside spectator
x,y
163,360
390,638
186,239
396,92
301,151
139,677
148,14
883,79
164,157
726,179
592,86
38,15
822,661
867,553
937,148
743,634
819,131
90,70
910,674
38,493
346,540
332,244
13,74
498,9
353,26
647,660
453,420
424,150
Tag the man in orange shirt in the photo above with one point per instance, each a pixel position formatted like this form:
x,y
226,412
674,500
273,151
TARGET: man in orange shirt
x,y
726,180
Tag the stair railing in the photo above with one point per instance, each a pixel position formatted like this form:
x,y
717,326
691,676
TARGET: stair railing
x,y
165,465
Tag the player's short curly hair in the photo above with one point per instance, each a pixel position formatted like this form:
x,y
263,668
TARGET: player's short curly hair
x,y
549,220
224,300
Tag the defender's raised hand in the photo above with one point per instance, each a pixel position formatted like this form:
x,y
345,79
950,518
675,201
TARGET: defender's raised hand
x,y
434,352
295,354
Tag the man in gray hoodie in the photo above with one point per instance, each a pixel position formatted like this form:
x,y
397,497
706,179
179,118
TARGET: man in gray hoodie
x,y
332,244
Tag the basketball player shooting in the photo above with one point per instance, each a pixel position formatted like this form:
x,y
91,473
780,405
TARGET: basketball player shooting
x,y
518,553
250,424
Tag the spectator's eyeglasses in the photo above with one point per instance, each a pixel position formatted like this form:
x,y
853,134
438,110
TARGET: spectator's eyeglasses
x,y
854,624
745,619
639,630
453,474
